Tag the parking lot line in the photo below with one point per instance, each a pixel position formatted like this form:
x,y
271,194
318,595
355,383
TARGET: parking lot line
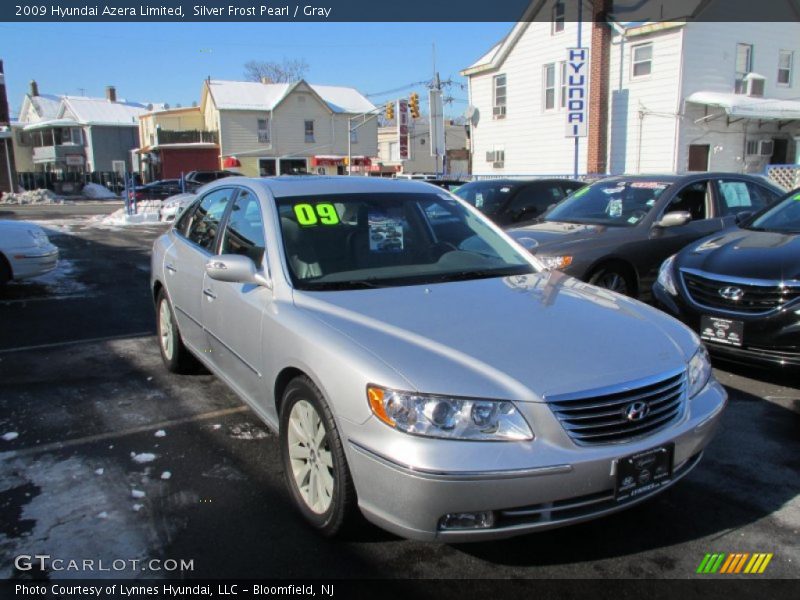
x,y
124,336
112,435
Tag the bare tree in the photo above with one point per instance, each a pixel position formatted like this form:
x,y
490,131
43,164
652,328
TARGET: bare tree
x,y
287,70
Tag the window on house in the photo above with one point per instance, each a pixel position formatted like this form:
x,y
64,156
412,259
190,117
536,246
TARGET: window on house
x,y
785,60
558,17
263,131
309,130
76,136
499,110
642,60
549,79
563,88
744,65
354,136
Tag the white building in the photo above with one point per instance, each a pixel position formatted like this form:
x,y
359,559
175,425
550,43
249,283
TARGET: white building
x,y
419,150
683,95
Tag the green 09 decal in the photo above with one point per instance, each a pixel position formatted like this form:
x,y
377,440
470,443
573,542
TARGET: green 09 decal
x,y
309,215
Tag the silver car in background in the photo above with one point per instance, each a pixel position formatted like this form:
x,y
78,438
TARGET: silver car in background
x,y
421,366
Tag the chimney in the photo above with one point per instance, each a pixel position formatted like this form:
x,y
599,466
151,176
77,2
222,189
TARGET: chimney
x,y
34,91
265,79
111,93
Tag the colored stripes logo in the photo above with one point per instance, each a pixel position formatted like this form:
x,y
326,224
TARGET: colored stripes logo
x,y
733,564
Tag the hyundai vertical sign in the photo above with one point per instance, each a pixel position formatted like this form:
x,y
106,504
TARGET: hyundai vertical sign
x,y
577,91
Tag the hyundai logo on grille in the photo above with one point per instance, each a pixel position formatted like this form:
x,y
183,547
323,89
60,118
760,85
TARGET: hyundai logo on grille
x,y
637,411
732,293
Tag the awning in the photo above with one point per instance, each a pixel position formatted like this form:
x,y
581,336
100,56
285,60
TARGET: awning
x,y
749,107
51,124
333,160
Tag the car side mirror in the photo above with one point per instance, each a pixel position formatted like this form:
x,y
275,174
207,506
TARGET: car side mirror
x,y
743,216
235,268
674,219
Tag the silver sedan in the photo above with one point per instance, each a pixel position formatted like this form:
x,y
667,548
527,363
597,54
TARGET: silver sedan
x,y
419,365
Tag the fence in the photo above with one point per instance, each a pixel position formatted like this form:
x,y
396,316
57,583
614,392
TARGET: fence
x,y
70,183
786,176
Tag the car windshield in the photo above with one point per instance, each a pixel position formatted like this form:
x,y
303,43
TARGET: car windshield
x,y
487,196
618,203
784,217
355,241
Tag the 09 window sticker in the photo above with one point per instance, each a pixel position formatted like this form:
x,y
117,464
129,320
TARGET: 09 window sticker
x,y
312,215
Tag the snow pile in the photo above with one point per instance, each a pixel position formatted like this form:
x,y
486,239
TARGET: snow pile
x,y
97,191
166,475
144,457
137,494
11,435
42,196
147,212
160,432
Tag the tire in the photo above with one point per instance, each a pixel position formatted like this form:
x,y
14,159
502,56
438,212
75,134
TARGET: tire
x,y
314,464
5,270
615,279
174,353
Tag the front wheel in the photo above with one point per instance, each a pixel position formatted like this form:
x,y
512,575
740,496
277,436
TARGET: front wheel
x,y
614,279
315,467
175,355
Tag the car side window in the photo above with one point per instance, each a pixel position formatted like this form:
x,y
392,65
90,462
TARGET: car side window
x,y
206,218
571,186
244,233
694,199
738,196
532,200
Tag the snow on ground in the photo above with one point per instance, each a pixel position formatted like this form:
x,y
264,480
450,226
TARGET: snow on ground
x,y
97,191
144,457
148,212
160,432
43,196
166,475
137,494
248,431
11,435
60,281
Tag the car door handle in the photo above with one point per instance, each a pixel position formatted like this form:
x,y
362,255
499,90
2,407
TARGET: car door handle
x,y
170,268
210,293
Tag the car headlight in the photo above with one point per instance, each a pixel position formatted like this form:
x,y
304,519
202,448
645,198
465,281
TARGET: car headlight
x,y
699,371
449,418
665,277
554,262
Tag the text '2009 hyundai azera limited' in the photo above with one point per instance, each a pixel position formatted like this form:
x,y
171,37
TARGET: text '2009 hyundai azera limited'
x,y
419,365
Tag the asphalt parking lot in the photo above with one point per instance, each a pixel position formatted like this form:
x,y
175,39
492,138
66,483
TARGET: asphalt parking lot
x,y
115,457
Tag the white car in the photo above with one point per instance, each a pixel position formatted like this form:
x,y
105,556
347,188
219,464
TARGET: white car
x,y
25,251
174,205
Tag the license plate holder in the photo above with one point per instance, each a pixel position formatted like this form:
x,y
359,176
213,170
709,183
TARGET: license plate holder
x,y
643,472
721,331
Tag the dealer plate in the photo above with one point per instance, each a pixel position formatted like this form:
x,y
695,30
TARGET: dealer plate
x,y
721,331
643,472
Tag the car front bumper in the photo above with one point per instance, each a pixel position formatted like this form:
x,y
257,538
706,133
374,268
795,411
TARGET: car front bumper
x,y
768,340
538,485
32,262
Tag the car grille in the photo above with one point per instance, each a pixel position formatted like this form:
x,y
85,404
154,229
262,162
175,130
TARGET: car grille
x,y
601,418
756,297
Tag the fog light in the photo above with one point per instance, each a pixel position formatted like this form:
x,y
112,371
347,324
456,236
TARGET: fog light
x,y
470,520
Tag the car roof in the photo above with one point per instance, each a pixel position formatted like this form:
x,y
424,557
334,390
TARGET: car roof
x,y
672,177
317,185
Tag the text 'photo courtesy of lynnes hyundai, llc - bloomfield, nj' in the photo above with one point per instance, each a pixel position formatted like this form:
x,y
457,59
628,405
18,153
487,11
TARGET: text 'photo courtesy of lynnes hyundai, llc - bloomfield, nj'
x,y
294,300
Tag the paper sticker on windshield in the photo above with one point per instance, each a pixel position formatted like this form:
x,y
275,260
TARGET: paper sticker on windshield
x,y
615,190
385,235
505,190
615,209
651,202
648,185
633,220
310,215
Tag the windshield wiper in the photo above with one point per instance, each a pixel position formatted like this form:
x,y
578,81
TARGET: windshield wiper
x,y
343,285
474,274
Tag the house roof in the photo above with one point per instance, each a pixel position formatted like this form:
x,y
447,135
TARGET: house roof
x,y
99,111
748,107
45,105
250,95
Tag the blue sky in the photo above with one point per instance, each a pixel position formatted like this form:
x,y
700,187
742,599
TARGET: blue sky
x,y
166,62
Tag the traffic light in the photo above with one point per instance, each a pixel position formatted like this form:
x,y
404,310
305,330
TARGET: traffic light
x,y
390,111
413,105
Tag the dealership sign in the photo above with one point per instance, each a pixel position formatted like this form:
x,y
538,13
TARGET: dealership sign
x,y
402,128
577,91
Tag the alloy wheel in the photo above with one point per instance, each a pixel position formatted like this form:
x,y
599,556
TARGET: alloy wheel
x,y
310,457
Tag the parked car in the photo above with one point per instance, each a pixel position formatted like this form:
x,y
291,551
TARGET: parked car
x,y
378,376
451,185
25,251
740,289
616,232
196,179
510,202
173,205
156,190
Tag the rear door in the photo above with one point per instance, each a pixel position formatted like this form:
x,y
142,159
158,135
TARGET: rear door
x,y
531,200
194,243
736,196
233,312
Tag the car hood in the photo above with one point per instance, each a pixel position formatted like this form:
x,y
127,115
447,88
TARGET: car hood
x,y
515,338
19,226
552,235
744,253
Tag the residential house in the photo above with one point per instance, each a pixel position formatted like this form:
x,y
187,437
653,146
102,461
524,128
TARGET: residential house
x,y
692,94
419,150
279,128
77,134
175,141
8,175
